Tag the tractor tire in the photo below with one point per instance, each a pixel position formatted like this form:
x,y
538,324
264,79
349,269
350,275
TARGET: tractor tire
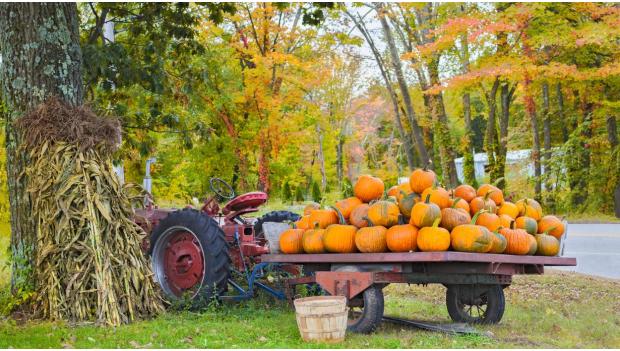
x,y
274,216
190,258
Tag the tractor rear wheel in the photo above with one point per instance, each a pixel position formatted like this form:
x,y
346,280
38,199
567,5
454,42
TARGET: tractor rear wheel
x,y
276,217
189,256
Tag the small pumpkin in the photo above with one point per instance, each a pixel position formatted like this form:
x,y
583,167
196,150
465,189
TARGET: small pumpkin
x,y
533,245
518,241
433,238
393,191
405,203
471,237
310,207
490,221
462,204
499,243
290,241
347,205
383,213
453,216
323,218
509,209
529,208
480,203
368,188
552,225
340,238
312,241
402,238
439,196
528,224
504,220
423,214
465,192
421,179
494,192
303,222
548,245
359,216
403,190
371,239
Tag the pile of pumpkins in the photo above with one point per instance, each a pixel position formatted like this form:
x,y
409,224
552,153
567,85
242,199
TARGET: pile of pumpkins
x,y
421,216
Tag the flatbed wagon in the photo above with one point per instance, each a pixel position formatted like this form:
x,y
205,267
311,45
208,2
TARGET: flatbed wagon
x,y
475,282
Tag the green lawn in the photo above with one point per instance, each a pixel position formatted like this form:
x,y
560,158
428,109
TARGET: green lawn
x,y
558,310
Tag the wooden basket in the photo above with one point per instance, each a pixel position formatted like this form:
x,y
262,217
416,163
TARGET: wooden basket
x,y
322,318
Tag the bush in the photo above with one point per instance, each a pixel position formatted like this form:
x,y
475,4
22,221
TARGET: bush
x,y
316,192
346,188
286,192
299,194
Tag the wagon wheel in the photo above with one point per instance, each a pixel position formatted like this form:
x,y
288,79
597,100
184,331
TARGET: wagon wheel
x,y
475,304
366,311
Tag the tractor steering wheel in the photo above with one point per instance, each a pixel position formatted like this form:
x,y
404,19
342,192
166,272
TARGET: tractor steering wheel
x,y
221,188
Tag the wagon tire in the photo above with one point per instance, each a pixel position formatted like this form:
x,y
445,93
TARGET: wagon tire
x,y
467,305
189,257
371,314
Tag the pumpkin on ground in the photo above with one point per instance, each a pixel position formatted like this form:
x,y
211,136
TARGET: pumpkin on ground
x,y
339,238
494,193
528,224
290,241
480,203
371,239
509,209
552,225
347,205
433,238
471,237
504,220
499,243
533,245
323,218
402,238
310,207
530,208
405,203
547,245
518,241
383,213
421,179
423,214
312,241
303,222
393,191
359,216
452,216
488,220
438,196
465,192
368,188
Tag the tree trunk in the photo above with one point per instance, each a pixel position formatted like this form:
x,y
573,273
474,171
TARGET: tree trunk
x,y
612,137
395,57
530,108
549,200
469,170
40,47
321,158
490,142
339,159
506,95
558,89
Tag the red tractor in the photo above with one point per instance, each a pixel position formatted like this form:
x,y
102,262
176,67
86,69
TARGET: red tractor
x,y
194,251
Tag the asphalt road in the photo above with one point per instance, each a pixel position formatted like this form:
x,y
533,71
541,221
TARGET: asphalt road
x,y
596,247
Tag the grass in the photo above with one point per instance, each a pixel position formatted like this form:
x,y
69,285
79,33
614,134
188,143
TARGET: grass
x,y
557,310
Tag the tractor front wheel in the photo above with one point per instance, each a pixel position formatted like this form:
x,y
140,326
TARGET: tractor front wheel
x,y
189,256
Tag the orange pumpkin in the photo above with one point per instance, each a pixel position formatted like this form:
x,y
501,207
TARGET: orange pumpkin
x,y
403,190
518,241
371,239
528,224
359,216
509,209
465,192
438,196
402,238
405,203
482,203
421,179
393,191
290,241
383,213
489,220
499,243
547,245
323,218
423,214
494,192
433,238
347,205
368,188
310,207
504,220
460,203
533,245
530,208
471,237
551,225
303,222
339,238
452,216
312,241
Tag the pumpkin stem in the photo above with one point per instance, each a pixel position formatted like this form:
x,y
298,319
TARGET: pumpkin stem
x,y
455,202
486,196
436,223
294,225
475,218
496,182
370,223
512,224
425,168
549,230
401,219
428,199
340,216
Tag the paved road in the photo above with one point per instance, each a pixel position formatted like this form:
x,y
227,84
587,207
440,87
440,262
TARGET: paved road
x,y
596,247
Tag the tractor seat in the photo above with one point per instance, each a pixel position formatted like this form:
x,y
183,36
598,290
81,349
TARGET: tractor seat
x,y
246,201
